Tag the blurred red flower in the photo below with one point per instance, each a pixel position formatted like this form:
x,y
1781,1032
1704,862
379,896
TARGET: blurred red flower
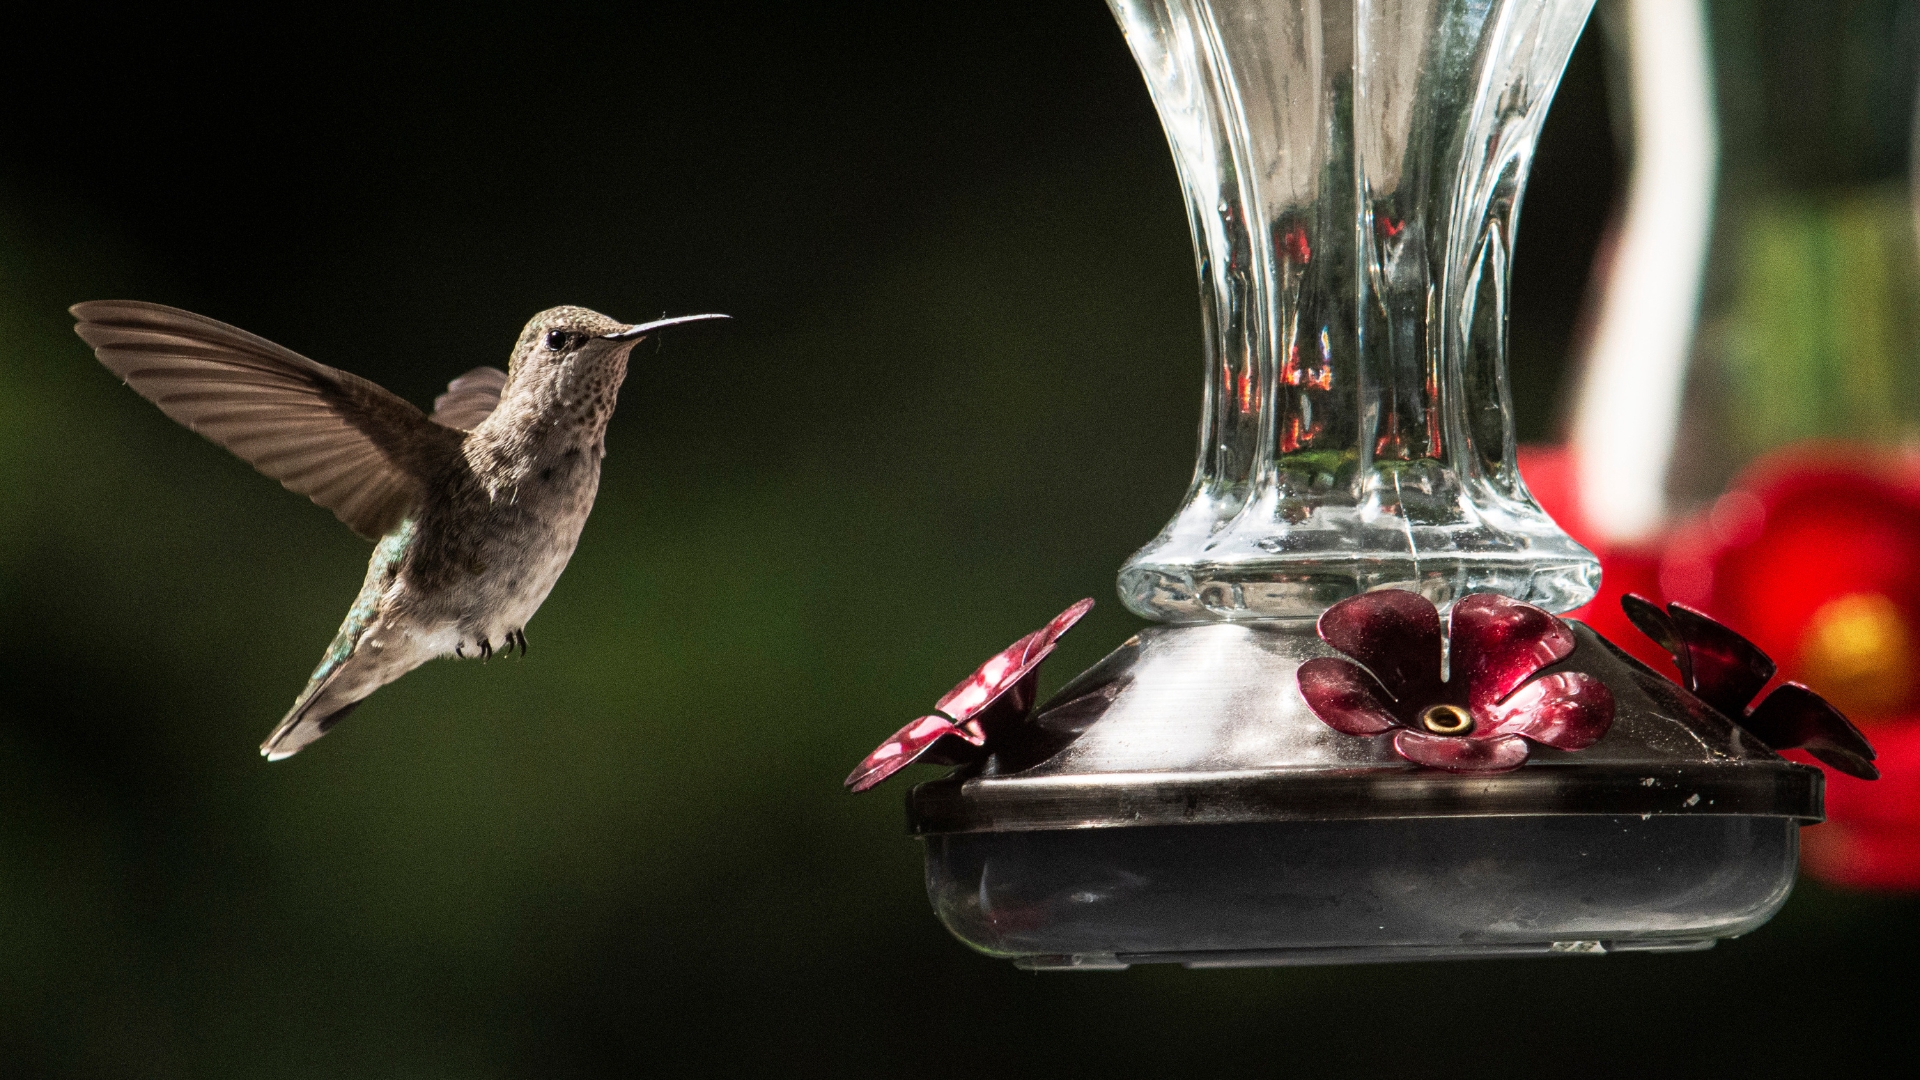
x,y
1813,554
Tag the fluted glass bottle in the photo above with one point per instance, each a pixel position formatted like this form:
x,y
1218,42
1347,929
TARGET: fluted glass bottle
x,y
1353,170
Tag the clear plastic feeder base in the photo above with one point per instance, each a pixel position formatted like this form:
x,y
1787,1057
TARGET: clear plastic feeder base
x,y
1181,804
1318,892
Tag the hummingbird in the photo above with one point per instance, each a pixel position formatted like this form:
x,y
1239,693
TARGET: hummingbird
x,y
474,509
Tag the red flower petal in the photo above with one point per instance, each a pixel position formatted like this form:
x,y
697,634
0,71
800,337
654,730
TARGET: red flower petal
x,y
1345,697
1499,643
1650,619
906,746
1723,669
1794,716
1395,634
1456,754
1568,710
1008,666
1064,621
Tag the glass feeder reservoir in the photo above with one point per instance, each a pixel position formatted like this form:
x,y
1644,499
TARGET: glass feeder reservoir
x,y
1353,171
1259,779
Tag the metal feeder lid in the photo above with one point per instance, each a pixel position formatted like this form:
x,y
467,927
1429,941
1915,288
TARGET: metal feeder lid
x,y
1205,724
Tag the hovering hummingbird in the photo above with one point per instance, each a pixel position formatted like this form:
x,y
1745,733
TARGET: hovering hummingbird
x,y
475,509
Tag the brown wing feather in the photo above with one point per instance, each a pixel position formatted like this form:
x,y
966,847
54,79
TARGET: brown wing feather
x,y
334,437
470,398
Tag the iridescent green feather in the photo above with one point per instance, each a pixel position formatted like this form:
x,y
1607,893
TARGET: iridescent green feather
x,y
385,563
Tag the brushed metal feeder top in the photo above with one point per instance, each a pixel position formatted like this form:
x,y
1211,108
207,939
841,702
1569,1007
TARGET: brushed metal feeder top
x,y
1205,724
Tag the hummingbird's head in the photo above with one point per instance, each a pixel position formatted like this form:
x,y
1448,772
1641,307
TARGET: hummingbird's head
x,y
565,349
569,335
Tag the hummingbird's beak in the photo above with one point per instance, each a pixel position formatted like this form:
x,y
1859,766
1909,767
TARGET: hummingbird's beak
x,y
644,329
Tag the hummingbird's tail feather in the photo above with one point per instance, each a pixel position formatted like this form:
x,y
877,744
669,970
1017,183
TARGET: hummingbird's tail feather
x,y
343,681
324,703
330,697
348,672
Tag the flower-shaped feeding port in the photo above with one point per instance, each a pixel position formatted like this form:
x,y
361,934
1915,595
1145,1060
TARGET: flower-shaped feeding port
x,y
1481,717
965,722
1726,671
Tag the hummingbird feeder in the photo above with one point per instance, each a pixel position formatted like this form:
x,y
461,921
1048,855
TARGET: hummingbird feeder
x,y
1357,731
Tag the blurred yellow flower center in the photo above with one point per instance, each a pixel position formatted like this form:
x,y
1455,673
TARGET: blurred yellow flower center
x,y
1858,653
1446,720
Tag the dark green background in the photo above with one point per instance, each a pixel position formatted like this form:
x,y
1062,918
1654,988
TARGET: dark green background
x,y
961,388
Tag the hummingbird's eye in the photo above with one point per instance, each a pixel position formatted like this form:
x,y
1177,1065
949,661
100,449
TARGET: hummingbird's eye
x,y
559,340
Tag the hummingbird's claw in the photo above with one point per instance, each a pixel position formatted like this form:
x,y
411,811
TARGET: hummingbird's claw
x,y
514,637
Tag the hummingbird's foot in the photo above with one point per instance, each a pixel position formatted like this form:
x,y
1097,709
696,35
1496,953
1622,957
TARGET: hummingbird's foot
x,y
514,637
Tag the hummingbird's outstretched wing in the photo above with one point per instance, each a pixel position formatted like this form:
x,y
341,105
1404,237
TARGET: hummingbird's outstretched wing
x,y
334,437
470,399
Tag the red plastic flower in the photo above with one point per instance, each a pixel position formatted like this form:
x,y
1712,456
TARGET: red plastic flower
x,y
1480,718
1726,670
998,693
